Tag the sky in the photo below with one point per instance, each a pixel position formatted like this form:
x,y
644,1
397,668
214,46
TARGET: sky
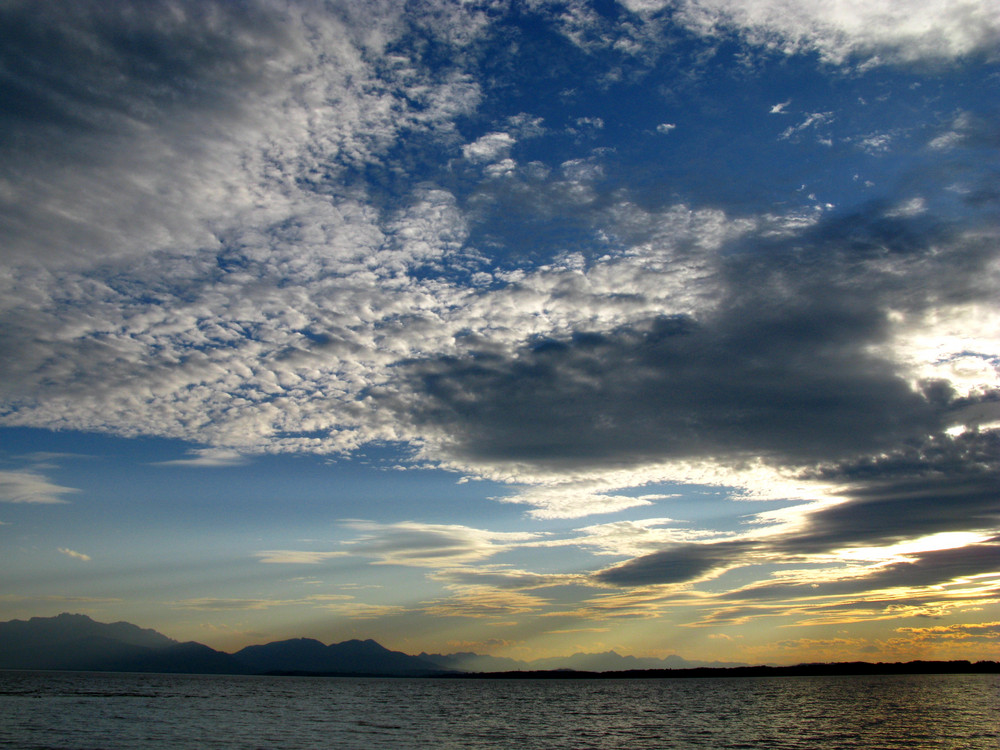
x,y
508,326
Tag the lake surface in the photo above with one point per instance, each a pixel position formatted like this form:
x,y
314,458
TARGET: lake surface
x,y
88,711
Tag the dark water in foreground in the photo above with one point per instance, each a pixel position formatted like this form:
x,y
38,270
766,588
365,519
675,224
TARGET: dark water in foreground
x,y
90,711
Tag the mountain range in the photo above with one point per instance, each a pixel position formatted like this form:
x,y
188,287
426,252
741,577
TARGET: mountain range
x,y
76,642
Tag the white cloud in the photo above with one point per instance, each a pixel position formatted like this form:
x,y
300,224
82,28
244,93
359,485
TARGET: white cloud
x,y
957,343
632,538
488,148
573,501
590,123
410,543
501,577
224,605
74,554
921,29
29,487
485,601
501,168
208,457
430,545
812,120
877,143
296,557
960,127
912,207
208,358
665,127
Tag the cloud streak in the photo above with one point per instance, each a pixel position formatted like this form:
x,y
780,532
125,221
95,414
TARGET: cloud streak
x,y
75,555
31,487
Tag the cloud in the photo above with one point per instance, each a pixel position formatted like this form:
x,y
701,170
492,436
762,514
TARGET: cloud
x,y
799,358
568,500
59,598
430,545
296,557
939,574
503,578
363,611
177,176
915,31
485,602
410,543
813,120
921,517
225,605
30,487
637,538
683,564
959,631
208,457
489,148
943,484
123,142
74,554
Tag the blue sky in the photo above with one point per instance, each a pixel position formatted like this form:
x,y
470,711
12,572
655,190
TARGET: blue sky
x,y
667,326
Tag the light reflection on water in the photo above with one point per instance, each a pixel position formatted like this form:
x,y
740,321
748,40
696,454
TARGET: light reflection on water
x,y
73,711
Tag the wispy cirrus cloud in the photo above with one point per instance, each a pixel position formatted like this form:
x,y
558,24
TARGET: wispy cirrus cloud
x,y
208,457
296,557
74,554
230,604
31,487
410,543
485,602
430,545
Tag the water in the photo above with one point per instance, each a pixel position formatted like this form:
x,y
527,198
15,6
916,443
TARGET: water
x,y
90,711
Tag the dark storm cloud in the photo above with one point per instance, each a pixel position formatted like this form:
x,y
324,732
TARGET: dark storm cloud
x,y
945,485
678,564
100,104
926,569
787,367
675,388
75,64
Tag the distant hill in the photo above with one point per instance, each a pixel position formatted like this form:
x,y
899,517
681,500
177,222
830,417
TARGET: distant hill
x,y
608,661
77,642
611,661
469,662
303,655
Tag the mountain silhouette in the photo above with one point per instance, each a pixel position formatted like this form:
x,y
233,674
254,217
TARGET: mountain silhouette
x,y
350,657
76,642
608,661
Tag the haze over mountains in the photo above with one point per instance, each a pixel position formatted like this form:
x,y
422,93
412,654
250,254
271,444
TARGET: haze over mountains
x,y
76,642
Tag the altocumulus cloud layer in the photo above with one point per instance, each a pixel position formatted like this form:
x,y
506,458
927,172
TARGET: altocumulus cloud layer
x,y
535,242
